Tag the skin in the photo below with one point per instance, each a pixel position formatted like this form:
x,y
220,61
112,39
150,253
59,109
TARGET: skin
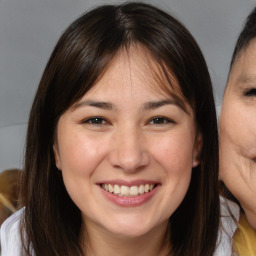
x,y
128,143
238,132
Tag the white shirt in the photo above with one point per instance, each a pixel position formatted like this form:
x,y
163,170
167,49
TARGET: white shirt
x,y
10,235
227,228
11,243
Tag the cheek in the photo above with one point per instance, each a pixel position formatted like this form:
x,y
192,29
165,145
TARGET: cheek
x,y
80,157
81,154
175,153
238,150
238,124
237,141
172,156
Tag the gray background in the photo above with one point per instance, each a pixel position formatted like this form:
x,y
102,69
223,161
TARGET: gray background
x,y
29,30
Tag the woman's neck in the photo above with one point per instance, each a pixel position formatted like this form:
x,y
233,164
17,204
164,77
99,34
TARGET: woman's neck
x,y
98,242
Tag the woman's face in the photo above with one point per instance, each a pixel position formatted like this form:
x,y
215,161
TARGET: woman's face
x,y
126,151
238,132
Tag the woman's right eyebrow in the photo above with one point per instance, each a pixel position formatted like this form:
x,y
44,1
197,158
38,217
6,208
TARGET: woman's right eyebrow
x,y
92,103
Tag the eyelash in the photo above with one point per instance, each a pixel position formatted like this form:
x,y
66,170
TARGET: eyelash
x,y
160,120
250,92
97,120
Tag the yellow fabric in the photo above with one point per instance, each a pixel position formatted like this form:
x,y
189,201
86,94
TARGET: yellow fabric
x,y
245,239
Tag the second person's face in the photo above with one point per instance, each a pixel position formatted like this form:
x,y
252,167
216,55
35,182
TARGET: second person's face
x,y
238,132
126,151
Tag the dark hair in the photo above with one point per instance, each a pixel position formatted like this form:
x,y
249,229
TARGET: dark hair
x,y
246,35
52,222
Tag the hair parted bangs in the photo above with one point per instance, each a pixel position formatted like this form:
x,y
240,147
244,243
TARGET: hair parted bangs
x,y
88,46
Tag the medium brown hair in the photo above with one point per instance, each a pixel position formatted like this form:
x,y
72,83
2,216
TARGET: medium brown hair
x,y
52,222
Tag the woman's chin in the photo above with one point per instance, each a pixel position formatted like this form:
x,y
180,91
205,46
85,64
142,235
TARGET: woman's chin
x,y
129,232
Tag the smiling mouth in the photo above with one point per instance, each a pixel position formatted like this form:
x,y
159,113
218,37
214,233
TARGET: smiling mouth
x,y
126,191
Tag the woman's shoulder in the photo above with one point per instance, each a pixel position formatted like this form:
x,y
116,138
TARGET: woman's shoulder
x,y
230,213
10,235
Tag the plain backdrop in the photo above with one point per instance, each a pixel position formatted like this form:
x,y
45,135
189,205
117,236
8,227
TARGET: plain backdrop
x,y
29,29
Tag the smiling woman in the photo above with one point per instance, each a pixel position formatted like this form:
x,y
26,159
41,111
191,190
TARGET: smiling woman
x,y
113,150
122,152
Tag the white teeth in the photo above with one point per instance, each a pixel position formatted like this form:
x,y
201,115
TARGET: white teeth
x,y
128,191
134,191
110,188
116,189
105,187
125,190
141,189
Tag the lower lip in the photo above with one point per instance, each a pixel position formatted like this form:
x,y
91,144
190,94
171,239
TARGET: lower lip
x,y
129,201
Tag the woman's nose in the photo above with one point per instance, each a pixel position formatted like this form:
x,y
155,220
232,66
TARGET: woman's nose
x,y
129,151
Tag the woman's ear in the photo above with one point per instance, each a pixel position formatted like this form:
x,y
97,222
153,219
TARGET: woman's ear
x,y
56,156
197,149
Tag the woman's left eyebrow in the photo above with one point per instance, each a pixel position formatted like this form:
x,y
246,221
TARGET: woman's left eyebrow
x,y
157,104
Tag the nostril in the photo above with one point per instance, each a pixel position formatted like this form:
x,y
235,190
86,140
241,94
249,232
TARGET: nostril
x,y
129,160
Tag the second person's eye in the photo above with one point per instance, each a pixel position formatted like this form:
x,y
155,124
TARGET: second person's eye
x,y
251,92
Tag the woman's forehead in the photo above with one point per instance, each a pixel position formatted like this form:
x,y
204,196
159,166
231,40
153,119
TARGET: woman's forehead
x,y
137,65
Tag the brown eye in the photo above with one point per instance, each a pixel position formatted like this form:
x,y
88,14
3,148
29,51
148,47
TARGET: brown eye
x,y
95,121
250,92
160,120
